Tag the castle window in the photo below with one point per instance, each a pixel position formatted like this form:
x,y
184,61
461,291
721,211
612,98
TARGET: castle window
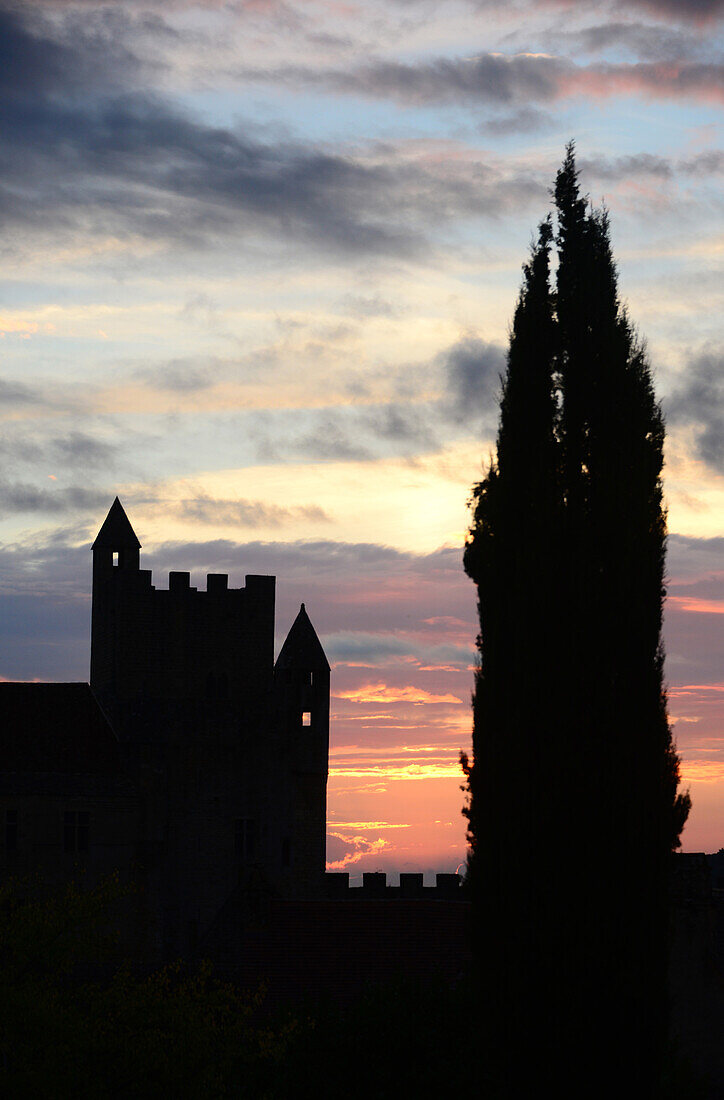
x,y
11,830
76,830
245,838
115,559
306,717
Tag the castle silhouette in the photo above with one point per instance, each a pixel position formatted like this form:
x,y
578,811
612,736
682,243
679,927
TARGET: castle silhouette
x,y
194,766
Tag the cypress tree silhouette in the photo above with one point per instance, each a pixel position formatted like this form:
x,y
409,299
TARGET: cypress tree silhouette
x,y
573,806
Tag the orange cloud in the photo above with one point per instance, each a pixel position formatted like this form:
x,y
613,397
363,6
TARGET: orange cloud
x,y
361,847
694,689
388,772
380,693
700,606
702,771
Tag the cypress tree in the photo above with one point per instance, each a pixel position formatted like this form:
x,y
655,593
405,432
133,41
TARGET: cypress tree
x,y
573,805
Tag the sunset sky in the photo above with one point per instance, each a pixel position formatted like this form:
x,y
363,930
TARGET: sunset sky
x,y
259,262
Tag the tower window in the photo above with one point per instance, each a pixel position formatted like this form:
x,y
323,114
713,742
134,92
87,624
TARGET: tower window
x,y
11,830
76,830
115,559
245,838
306,717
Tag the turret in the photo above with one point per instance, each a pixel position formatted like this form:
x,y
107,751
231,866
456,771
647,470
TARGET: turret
x,y
116,545
116,559
301,680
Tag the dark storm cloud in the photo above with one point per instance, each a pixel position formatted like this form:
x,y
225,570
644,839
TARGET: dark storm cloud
x,y
131,161
83,151
700,401
132,164
68,57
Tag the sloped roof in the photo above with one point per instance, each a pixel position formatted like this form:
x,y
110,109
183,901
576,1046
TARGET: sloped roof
x,y
302,648
58,728
116,532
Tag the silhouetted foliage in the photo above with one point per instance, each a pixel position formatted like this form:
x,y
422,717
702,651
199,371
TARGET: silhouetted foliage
x,y
177,1031
182,1032
573,805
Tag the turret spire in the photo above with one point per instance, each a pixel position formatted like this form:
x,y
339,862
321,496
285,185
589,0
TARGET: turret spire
x,y
302,648
116,532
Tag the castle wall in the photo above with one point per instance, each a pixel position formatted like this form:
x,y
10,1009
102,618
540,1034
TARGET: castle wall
x,y
179,643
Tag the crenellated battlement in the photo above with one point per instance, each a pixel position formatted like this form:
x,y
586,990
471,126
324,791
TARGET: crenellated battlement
x,y
448,887
180,642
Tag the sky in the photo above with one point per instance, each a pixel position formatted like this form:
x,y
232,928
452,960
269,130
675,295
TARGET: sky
x,y
259,263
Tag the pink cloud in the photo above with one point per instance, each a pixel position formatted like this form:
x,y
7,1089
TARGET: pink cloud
x,y
662,79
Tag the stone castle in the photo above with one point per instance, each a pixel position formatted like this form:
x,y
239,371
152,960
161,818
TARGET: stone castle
x,y
195,767
192,759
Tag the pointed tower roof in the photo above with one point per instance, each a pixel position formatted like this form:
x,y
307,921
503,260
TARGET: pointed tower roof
x,y
116,532
302,649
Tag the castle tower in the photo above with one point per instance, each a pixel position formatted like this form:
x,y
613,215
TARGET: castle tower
x,y
301,680
177,644
116,558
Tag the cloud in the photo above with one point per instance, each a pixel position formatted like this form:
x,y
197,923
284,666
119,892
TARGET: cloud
x,y
690,558
645,40
700,401
510,80
17,393
179,376
344,850
679,11
695,11
85,146
122,160
364,649
374,305
473,370
81,449
526,120
384,693
248,513
18,497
